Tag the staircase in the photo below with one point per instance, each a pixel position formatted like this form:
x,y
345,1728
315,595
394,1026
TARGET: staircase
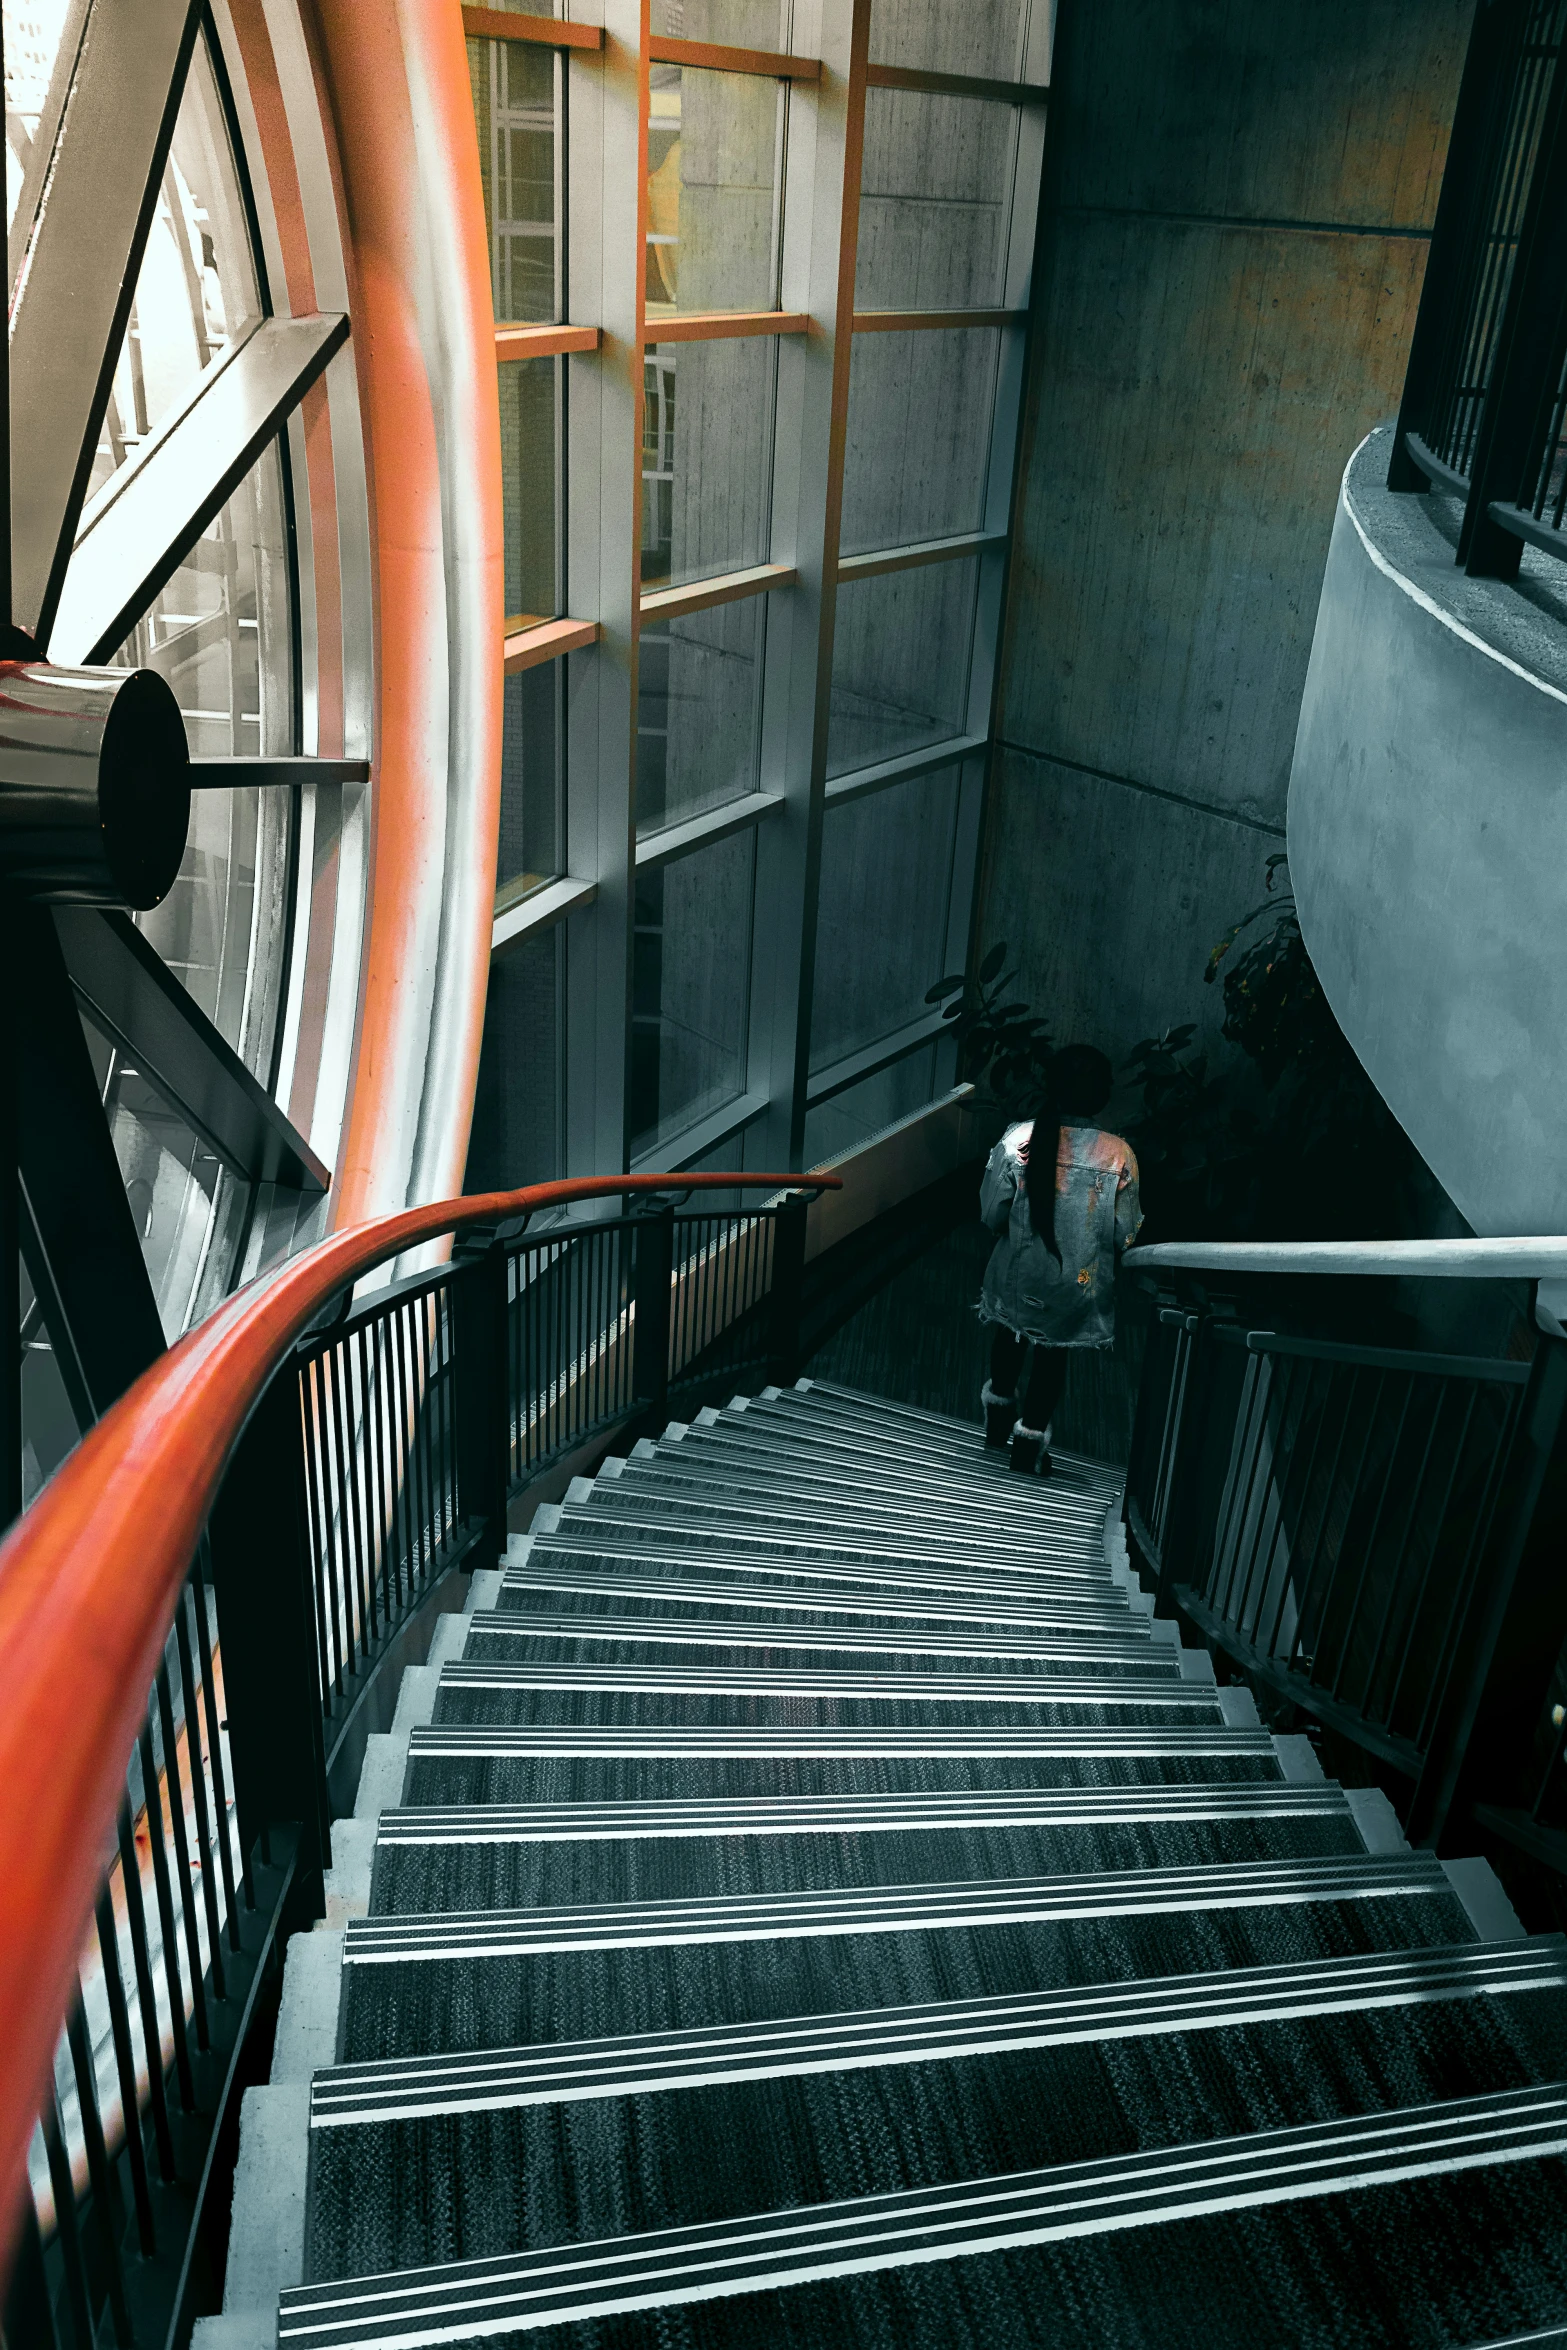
x,y
808,1897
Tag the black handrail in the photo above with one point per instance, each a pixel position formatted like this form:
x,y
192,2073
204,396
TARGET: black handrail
x,y
1371,1534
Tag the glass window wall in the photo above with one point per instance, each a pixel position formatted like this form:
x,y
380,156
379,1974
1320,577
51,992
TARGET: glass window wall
x,y
900,666
714,155
516,1115
690,1000
531,845
883,913
934,214
917,460
698,703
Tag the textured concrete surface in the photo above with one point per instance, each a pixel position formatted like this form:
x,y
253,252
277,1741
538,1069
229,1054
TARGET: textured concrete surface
x,y
267,2240
1428,836
1233,240
307,2020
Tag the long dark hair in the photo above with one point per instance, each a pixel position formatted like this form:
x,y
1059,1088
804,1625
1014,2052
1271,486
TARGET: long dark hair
x,y
1077,1085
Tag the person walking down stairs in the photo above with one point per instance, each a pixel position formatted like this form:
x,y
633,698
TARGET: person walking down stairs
x,y
1064,1216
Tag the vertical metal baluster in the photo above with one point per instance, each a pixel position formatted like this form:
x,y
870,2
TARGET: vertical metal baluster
x,y
1281,1390
1300,1487
1330,1488
105,2192
420,1324
354,1513
574,1321
160,1880
415,1484
342,1553
359,1364
375,1513
1336,1684
1256,1432
1474,1552
66,2222
1417,1603
333,1507
326,1613
198,1788
220,1796
1400,1554
182,1856
146,1996
125,2069
397,1377
385,1473
449,1412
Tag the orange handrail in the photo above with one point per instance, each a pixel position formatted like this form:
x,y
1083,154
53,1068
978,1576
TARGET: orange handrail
x,y
89,1581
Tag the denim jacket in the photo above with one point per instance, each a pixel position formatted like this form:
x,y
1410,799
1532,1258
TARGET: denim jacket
x,y
1097,1215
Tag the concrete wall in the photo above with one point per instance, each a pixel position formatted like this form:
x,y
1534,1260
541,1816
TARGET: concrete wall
x,y
1237,205
1428,841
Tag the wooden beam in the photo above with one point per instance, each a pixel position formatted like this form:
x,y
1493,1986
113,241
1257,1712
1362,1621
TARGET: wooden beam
x,y
717,326
549,32
547,640
955,85
543,342
726,587
715,57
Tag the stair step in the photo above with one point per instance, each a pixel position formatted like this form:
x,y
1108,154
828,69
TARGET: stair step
x,y
847,1815
956,2224
692,1468
505,1626
891,1909
784,1682
1066,1561
637,2063
823,1599
1003,1587
496,1636
1086,1743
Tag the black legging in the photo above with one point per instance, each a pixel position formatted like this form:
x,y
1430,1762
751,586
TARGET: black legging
x,y
1046,1376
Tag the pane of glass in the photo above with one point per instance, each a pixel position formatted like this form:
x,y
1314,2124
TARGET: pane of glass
x,y
698,742
220,632
34,30
514,105
530,852
919,436
707,447
712,188
853,1116
49,1428
900,663
197,294
516,1110
691,985
189,1210
529,392
744,24
981,37
884,905
933,212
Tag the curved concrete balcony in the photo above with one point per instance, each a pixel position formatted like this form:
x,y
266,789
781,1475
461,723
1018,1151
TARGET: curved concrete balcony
x,y
1428,842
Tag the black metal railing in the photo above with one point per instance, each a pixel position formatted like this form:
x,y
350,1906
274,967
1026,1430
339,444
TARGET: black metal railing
x,y
1367,1533
1485,395
380,1460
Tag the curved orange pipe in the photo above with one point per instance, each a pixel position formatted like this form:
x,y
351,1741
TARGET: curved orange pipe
x,y
395,75
89,1581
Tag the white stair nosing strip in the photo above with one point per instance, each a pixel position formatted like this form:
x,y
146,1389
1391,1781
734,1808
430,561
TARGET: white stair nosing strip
x,y
886,1688
645,2063
1155,1802
463,1936
704,1742
650,1483
572,2283
722,1632
958,1472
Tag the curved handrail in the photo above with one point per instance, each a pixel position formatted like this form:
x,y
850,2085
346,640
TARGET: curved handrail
x,y
1442,1260
91,1576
